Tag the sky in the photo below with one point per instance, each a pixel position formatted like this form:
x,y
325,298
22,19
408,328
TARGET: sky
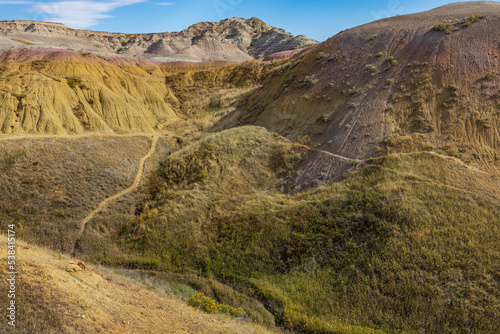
x,y
318,19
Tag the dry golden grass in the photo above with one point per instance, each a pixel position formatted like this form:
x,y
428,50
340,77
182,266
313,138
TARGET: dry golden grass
x,y
49,185
56,295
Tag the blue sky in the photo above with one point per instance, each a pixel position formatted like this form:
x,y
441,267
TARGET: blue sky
x,y
318,19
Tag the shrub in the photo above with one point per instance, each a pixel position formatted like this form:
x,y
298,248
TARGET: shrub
x,y
191,169
216,102
38,64
321,56
490,76
22,41
474,19
235,312
309,80
370,68
201,302
73,81
443,26
370,38
380,54
391,60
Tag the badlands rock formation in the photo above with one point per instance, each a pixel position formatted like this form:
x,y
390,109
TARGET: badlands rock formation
x,y
235,39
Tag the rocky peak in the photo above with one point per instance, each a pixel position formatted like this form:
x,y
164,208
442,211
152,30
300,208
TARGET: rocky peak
x,y
233,39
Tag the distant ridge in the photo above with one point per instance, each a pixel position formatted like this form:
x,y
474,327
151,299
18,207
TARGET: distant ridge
x,y
234,39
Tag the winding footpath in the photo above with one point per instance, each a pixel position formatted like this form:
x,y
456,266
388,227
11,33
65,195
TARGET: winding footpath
x,y
105,202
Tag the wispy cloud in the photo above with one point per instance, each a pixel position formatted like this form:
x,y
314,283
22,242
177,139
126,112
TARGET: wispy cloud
x,y
164,3
75,13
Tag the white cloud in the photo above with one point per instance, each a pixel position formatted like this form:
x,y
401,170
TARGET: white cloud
x,y
73,13
164,3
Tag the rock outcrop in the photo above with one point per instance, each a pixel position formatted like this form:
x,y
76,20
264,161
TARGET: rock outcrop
x,y
234,39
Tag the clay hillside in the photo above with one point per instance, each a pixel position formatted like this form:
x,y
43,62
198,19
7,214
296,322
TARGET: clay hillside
x,y
348,187
432,74
235,39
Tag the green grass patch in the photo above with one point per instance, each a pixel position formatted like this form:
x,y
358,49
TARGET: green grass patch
x,y
73,81
394,247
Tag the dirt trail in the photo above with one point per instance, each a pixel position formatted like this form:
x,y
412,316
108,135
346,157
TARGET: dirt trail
x,y
106,201
405,154
341,157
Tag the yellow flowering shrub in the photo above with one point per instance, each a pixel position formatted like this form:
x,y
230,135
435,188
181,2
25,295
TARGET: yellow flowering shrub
x,y
207,304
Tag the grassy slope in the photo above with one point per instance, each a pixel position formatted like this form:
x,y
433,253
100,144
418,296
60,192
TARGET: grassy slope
x,y
48,185
408,242
54,295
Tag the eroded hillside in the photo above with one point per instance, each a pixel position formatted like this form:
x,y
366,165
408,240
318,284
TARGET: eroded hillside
x,y
349,188
47,91
397,76
235,39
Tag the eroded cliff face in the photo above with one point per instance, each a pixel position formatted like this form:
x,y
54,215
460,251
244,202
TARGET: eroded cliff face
x,y
52,91
63,92
235,39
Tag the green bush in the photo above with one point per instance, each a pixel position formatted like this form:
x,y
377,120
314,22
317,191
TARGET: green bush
x,y
73,81
309,80
322,55
201,302
474,19
391,60
370,68
490,76
443,26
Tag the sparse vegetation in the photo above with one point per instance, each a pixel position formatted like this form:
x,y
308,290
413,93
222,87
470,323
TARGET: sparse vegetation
x,y
321,56
85,53
348,232
370,38
391,60
473,19
446,27
490,76
209,305
39,64
404,239
310,80
449,26
22,41
370,68
73,81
